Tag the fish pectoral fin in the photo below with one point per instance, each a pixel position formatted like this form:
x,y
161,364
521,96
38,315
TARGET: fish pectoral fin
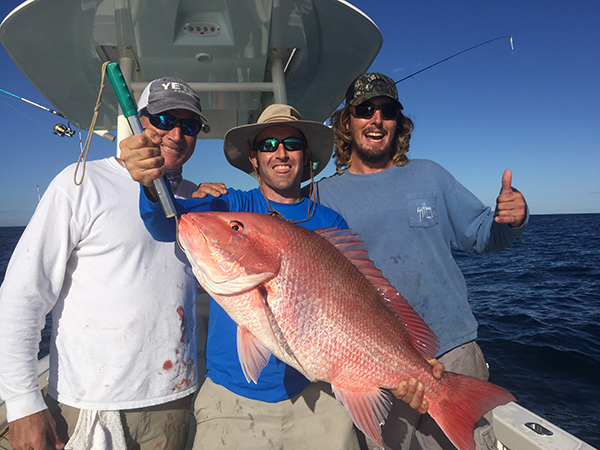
x,y
283,351
368,409
252,354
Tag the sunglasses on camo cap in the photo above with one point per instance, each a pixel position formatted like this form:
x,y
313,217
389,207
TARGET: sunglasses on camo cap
x,y
166,122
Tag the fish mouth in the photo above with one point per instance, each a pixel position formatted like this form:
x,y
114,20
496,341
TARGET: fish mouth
x,y
228,278
217,270
195,254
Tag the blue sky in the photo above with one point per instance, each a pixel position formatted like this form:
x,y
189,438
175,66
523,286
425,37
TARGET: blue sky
x,y
535,110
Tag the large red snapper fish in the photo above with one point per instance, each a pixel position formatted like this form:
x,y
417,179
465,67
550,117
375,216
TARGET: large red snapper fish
x,y
318,303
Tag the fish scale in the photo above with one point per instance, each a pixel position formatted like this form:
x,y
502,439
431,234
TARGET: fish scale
x,y
316,302
351,344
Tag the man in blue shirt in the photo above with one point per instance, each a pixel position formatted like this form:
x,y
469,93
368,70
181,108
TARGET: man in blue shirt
x,y
282,410
410,215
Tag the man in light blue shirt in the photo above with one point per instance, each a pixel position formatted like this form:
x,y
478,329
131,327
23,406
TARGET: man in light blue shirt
x,y
410,215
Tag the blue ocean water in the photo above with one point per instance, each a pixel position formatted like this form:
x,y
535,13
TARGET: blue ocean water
x,y
538,308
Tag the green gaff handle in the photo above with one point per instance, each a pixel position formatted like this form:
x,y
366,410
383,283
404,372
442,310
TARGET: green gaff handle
x,y
130,112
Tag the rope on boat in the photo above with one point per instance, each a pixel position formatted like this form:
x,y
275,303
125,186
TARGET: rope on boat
x,y
86,148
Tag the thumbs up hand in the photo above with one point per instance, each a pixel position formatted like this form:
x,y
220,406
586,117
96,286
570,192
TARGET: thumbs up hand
x,y
510,204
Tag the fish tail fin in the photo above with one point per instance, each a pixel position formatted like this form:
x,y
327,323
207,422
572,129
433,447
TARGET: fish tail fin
x,y
463,401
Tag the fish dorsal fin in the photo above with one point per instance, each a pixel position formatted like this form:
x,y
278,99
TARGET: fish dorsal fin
x,y
353,248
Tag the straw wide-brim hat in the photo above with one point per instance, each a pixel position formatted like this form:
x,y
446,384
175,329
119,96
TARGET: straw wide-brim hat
x,y
239,140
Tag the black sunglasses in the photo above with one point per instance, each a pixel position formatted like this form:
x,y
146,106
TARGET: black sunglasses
x,y
166,122
389,111
291,144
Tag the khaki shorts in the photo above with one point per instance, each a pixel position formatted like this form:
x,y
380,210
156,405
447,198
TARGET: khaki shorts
x,y
311,420
163,426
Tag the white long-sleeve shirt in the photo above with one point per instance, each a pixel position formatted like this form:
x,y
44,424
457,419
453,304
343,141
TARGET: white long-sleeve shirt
x,y
123,305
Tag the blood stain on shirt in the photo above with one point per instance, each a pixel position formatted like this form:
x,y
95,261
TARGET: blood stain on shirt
x,y
183,322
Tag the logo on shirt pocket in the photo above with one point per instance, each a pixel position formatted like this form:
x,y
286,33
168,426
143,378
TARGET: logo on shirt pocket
x,y
422,210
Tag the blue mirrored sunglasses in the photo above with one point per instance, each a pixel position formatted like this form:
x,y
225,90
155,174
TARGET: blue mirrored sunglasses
x,y
291,144
166,122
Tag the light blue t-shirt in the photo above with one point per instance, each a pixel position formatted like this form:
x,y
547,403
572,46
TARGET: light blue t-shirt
x,y
410,218
277,381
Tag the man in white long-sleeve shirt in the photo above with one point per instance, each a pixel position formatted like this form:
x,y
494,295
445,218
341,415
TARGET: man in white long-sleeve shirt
x,y
123,345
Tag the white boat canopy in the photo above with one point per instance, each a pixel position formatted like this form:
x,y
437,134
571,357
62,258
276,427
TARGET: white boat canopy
x,y
239,55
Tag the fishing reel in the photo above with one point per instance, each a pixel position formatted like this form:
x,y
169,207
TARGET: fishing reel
x,y
63,130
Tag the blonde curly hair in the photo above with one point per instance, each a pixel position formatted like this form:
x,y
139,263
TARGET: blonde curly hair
x,y
340,123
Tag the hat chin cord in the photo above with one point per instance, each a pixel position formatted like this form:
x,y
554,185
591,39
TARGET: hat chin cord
x,y
311,198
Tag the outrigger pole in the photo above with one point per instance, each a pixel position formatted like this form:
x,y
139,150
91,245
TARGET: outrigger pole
x,y
34,104
59,129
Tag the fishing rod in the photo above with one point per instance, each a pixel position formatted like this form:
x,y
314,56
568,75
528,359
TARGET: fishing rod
x,y
59,129
459,53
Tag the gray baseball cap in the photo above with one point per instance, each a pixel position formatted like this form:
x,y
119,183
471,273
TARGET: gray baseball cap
x,y
168,93
371,85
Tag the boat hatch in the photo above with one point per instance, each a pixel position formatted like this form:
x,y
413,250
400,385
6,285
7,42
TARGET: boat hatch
x,y
539,429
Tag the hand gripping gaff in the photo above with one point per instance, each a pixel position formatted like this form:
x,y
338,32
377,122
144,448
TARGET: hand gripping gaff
x,y
130,112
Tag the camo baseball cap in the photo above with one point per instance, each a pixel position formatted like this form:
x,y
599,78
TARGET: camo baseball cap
x,y
370,85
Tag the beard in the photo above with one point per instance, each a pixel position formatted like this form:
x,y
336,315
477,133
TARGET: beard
x,y
373,156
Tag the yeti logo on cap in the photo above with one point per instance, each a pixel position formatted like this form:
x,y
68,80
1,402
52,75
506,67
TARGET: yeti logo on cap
x,y
164,94
178,87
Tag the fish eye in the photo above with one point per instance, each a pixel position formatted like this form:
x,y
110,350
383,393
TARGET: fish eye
x,y
236,226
